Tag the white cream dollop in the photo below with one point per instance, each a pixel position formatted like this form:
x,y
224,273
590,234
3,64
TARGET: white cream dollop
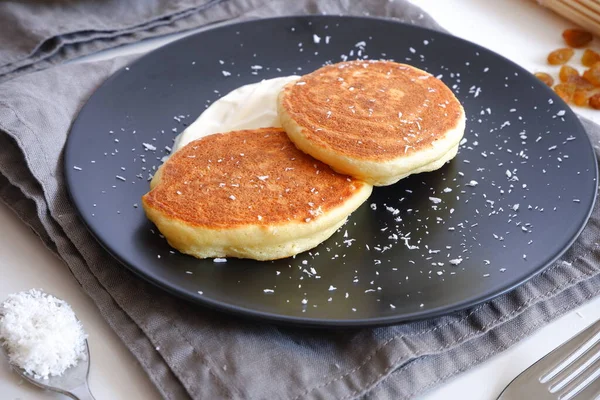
x,y
248,107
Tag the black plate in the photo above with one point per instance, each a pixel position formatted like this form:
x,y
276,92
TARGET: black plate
x,y
393,261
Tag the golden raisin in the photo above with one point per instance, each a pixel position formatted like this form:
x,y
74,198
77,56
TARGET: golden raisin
x,y
567,72
589,57
593,74
595,101
580,97
544,77
577,37
560,56
565,91
581,83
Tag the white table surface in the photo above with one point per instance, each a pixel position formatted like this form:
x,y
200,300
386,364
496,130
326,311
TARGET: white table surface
x,y
517,29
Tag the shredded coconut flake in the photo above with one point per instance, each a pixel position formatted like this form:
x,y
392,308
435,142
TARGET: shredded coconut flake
x,y
41,333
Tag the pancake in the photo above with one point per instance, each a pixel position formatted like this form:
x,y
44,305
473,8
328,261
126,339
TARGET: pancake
x,y
378,121
249,194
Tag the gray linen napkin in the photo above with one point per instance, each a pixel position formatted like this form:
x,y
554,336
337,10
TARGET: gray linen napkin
x,y
37,34
50,32
191,352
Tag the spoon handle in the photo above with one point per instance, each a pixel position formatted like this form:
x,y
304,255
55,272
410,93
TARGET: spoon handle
x,y
82,393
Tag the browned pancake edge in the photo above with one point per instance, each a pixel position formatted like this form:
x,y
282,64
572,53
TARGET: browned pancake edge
x,y
372,110
251,177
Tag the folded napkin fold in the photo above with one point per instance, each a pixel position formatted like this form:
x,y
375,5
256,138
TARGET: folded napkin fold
x,y
38,34
189,351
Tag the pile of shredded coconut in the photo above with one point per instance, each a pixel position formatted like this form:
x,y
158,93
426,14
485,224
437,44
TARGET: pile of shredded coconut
x,y
41,333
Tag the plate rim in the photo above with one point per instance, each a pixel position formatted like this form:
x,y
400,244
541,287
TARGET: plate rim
x,y
250,313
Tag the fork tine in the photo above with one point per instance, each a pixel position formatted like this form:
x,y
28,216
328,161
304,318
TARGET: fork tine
x,y
590,392
582,377
561,353
574,365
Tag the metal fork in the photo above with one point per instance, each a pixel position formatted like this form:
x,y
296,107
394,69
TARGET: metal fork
x,y
571,371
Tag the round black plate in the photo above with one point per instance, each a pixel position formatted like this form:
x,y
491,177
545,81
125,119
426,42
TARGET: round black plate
x,y
431,244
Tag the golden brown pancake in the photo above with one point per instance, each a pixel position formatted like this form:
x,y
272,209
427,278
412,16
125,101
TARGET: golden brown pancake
x,y
249,194
378,121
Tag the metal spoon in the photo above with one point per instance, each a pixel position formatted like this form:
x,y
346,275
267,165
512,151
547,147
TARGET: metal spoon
x,y
73,382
